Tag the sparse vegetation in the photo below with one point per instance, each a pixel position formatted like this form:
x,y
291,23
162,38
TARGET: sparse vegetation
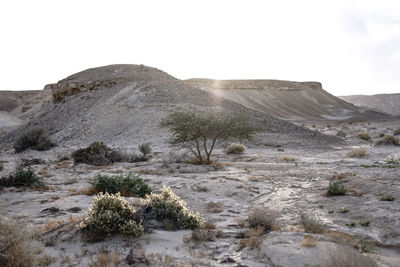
x,y
128,185
22,176
311,225
263,218
199,131
396,132
235,149
110,214
389,140
364,136
35,139
169,207
336,189
357,153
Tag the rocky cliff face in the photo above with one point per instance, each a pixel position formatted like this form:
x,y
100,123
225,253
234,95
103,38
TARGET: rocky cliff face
x,y
295,101
389,103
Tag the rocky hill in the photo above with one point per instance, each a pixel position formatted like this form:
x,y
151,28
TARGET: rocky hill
x,y
389,103
294,101
9,100
124,104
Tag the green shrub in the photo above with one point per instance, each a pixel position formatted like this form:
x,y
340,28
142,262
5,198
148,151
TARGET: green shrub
x,y
235,149
145,149
128,185
111,214
22,177
387,198
171,208
97,153
336,189
35,139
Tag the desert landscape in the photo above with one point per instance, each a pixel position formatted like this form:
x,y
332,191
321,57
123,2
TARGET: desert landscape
x,y
316,185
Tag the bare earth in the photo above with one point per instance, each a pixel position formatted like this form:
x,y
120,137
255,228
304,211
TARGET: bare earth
x,y
292,182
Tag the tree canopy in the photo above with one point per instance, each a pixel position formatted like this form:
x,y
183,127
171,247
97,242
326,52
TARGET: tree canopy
x,y
199,131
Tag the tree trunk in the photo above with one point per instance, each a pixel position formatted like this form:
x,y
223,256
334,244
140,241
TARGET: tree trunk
x,y
199,157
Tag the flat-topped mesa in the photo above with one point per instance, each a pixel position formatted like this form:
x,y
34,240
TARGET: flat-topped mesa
x,y
257,84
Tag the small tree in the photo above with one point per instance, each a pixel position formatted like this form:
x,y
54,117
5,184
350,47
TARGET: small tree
x,y
199,131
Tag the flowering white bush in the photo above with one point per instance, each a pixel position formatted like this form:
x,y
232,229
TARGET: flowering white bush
x,y
110,214
172,208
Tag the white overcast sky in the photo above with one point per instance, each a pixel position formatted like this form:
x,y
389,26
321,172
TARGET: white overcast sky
x,y
352,47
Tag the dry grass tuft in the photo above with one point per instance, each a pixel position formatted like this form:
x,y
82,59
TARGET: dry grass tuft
x,y
357,153
253,240
266,219
364,136
346,256
389,140
202,235
309,241
85,191
341,237
311,225
105,259
44,172
288,159
17,246
256,178
214,207
396,132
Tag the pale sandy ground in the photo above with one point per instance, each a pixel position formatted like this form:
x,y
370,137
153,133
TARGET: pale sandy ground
x,y
261,177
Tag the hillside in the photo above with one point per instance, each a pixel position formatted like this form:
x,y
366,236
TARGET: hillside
x,y
294,101
124,104
9,100
389,103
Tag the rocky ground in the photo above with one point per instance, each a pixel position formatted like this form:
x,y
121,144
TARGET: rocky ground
x,y
275,176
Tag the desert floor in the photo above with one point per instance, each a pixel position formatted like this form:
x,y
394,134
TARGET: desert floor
x,y
280,179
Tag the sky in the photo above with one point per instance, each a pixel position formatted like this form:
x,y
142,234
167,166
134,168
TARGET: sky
x,y
351,47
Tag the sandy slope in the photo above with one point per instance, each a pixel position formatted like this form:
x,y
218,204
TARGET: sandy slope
x,y
295,101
